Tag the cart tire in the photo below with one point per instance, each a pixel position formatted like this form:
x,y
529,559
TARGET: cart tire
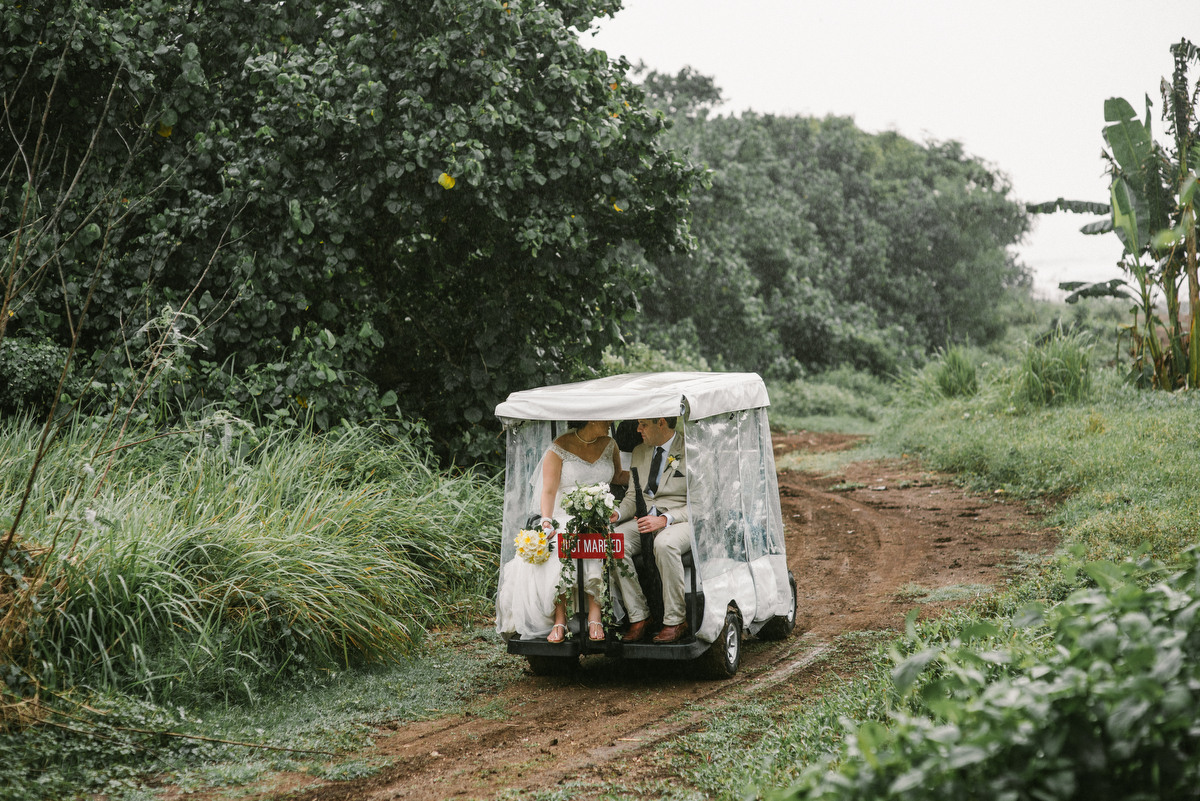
x,y
552,665
780,626
722,660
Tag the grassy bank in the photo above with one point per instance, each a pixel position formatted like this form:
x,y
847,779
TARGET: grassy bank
x,y
212,568
1121,464
230,585
90,752
844,400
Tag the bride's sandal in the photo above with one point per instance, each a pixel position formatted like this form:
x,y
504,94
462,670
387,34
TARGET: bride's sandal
x,y
551,638
598,626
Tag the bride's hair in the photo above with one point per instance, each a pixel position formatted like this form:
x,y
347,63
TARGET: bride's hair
x,y
576,424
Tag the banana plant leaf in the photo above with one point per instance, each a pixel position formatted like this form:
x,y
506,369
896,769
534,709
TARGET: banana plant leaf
x,y
1098,227
1129,216
1062,204
1134,151
1114,288
1127,137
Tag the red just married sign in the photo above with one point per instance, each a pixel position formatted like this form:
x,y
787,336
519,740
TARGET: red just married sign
x,y
591,545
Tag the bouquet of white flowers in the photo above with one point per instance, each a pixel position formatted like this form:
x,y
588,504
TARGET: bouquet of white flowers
x,y
590,508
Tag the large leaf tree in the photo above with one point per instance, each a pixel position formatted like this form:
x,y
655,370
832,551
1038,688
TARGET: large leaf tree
x,y
423,201
1152,210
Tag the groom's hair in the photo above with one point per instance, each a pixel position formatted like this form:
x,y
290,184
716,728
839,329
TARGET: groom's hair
x,y
671,422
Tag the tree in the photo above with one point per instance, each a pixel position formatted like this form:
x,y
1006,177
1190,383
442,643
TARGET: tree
x,y
820,244
428,198
1153,212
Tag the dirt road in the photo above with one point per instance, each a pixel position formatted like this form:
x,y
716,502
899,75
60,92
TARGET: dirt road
x,y
863,546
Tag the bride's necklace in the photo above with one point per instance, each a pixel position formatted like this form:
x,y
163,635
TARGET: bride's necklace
x,y
584,441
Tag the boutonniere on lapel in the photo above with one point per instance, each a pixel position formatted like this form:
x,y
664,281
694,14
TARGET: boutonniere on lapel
x,y
672,462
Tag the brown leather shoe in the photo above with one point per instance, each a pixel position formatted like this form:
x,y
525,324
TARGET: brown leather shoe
x,y
636,633
671,633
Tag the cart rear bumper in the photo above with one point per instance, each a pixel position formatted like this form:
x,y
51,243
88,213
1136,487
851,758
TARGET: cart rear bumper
x,y
687,648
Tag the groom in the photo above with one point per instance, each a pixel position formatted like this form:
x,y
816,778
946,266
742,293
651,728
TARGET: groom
x,y
660,464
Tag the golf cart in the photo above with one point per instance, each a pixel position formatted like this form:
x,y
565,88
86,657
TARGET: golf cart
x,y
736,577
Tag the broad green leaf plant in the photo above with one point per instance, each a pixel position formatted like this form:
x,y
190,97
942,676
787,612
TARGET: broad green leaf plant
x,y
1152,211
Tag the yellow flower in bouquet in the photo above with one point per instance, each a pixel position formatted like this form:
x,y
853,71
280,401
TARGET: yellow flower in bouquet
x,y
533,545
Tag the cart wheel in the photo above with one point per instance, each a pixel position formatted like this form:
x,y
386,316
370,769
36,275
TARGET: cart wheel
x,y
552,665
780,626
722,660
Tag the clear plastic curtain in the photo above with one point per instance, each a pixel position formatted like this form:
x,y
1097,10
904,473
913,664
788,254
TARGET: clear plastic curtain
x,y
716,490
527,442
764,522
734,500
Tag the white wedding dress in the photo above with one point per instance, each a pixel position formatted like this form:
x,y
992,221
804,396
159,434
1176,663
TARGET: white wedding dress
x,y
525,604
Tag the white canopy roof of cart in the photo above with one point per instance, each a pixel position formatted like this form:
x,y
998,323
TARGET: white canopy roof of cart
x,y
634,395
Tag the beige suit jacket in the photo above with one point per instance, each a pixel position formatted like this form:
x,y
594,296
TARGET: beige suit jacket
x,y
672,489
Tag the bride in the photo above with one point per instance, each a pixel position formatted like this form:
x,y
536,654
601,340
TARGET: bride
x,y
527,605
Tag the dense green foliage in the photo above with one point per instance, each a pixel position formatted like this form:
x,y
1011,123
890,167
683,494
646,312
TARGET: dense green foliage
x,y
1107,711
821,245
425,198
218,566
29,373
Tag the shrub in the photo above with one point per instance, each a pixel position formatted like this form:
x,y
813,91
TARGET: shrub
x,y
955,374
638,357
1107,711
1057,370
29,373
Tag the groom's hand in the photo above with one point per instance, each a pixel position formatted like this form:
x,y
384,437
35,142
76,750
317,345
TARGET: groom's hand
x,y
614,517
651,523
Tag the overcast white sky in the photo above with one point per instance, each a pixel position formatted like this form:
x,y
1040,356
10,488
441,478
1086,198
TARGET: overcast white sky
x,y
1020,83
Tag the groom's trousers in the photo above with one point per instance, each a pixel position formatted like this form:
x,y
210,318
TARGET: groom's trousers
x,y
670,544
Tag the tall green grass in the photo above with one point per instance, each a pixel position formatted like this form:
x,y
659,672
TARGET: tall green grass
x,y
205,570
955,373
1054,369
1058,370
